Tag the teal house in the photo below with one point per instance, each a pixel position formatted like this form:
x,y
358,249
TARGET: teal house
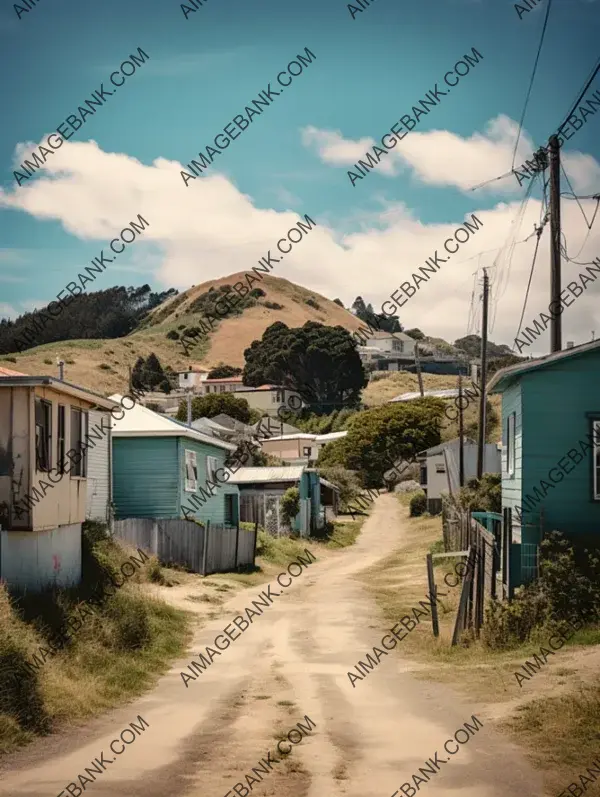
x,y
160,465
550,453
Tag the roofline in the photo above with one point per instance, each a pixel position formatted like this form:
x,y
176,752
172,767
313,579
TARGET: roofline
x,y
539,362
59,384
193,434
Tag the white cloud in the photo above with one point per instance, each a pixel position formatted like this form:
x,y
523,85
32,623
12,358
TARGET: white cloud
x,y
439,157
211,229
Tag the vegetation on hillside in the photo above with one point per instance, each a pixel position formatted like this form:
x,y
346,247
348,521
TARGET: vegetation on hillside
x,y
148,374
314,423
224,371
385,323
110,313
319,362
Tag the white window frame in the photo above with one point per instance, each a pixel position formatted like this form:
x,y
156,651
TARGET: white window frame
x,y
212,463
511,433
191,469
596,459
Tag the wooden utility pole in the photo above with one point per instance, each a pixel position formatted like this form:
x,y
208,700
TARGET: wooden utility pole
x,y
418,364
555,281
461,446
484,331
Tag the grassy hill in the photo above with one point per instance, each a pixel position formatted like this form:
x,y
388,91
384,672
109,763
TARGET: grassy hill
x,y
102,365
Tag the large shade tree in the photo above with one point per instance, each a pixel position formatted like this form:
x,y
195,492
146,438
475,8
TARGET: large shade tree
x,y
319,362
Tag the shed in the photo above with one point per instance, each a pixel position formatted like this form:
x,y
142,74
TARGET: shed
x,y
551,451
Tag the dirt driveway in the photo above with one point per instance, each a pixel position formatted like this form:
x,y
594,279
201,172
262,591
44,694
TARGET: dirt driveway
x,y
292,662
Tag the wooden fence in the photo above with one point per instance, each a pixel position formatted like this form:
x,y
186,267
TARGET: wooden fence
x,y
211,549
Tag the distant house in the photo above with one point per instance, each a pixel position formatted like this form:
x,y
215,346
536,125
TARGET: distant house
x,y
551,450
161,465
50,443
192,379
268,398
440,470
300,448
396,343
229,384
262,488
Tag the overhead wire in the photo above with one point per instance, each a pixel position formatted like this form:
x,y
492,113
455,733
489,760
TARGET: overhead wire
x,y
537,245
533,74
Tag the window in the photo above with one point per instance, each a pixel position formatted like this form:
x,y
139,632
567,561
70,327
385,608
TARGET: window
x,y
280,397
596,462
230,510
61,447
306,451
79,431
222,388
185,376
43,435
396,345
191,471
212,464
510,444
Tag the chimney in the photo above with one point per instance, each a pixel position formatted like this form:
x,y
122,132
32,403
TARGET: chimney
x,y
61,369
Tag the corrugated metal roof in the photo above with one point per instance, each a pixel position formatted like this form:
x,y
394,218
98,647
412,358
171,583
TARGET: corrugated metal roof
x,y
261,475
451,393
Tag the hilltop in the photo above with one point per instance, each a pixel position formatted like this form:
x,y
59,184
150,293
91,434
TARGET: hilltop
x,y
102,364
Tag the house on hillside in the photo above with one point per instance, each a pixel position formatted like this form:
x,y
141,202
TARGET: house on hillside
x,y
300,448
53,437
159,465
267,399
227,384
440,472
261,490
551,452
192,379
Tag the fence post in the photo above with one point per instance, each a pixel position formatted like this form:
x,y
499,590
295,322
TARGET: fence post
x,y
237,544
432,596
205,551
254,548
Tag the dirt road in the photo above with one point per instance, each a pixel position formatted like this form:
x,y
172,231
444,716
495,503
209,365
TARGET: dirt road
x,y
292,662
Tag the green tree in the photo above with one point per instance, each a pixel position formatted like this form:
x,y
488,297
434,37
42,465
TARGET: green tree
x,y
319,362
290,504
215,404
223,371
415,333
380,437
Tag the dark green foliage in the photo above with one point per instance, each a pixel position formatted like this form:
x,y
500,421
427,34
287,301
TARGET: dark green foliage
x,y
181,326
214,404
104,367
568,589
336,421
418,504
338,301
319,362
377,320
290,504
10,359
223,371
415,333
110,313
148,374
482,496
273,306
504,362
312,302
257,293
378,438
346,480
173,334
471,345
206,303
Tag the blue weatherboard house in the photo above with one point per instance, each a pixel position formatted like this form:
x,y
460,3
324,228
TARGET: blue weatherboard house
x,y
160,464
550,452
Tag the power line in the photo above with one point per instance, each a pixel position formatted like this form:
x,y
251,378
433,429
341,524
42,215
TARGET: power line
x,y
581,95
537,244
537,58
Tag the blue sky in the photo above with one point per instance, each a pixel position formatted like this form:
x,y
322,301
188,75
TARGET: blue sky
x,y
293,160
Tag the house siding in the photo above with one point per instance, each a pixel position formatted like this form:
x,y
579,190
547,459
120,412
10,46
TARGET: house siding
x,y
98,476
558,404
145,477
511,486
213,508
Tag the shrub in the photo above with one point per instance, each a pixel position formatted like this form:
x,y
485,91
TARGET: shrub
x,y
10,359
47,362
104,367
172,334
482,496
257,293
347,482
312,302
182,326
152,405
290,504
418,504
564,590
273,306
